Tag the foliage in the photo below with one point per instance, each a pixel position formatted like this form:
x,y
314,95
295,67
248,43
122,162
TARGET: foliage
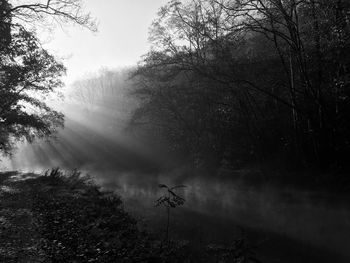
x,y
233,81
60,216
169,200
28,73
81,224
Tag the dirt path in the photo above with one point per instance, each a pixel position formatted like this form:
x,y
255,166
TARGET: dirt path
x,y
19,237
59,217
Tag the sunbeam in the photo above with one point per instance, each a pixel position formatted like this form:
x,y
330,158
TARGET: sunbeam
x,y
175,131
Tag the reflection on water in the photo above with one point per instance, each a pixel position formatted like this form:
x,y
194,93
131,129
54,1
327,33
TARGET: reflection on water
x,y
286,225
299,216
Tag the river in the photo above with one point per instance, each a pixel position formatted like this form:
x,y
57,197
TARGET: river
x,y
284,224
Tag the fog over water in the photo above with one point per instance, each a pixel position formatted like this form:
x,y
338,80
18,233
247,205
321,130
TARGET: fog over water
x,y
300,224
240,107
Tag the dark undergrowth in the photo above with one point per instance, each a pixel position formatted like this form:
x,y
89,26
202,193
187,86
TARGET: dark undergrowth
x,y
76,222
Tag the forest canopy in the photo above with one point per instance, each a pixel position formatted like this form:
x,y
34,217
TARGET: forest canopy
x,y
228,82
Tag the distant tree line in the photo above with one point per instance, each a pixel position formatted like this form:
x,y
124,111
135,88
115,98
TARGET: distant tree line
x,y
104,97
28,72
235,81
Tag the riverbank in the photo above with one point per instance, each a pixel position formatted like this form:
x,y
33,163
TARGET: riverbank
x,y
53,218
59,217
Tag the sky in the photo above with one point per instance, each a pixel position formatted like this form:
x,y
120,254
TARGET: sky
x,y
121,40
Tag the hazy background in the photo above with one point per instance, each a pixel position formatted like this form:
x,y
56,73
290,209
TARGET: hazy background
x,y
95,140
121,40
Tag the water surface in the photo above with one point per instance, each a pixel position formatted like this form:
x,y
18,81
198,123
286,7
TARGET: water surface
x,y
286,225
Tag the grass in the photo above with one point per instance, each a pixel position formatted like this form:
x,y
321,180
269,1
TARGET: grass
x,y
64,217
81,224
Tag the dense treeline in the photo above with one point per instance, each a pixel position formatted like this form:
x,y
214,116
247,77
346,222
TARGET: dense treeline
x,y
228,82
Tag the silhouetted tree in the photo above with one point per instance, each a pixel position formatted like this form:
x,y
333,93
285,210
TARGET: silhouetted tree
x,y
28,71
255,78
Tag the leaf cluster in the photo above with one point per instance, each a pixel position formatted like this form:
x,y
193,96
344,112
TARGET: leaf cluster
x,y
170,199
28,72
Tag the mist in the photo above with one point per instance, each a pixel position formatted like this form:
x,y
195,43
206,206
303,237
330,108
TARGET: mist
x,y
223,137
97,113
100,139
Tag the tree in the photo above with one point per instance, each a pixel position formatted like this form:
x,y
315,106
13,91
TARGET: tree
x,y
103,99
51,11
169,200
28,72
197,82
308,36
269,77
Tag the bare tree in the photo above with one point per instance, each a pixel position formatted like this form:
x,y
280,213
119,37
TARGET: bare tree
x,y
67,11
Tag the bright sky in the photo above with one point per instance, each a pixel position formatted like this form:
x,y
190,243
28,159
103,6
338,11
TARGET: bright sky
x,y
120,41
